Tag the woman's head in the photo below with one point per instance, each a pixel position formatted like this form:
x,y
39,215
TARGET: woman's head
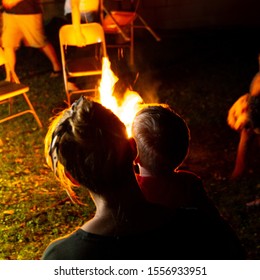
x,y
89,144
162,138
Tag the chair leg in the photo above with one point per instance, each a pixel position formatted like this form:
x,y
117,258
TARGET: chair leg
x,y
157,38
32,110
68,99
132,44
121,31
120,53
121,50
10,103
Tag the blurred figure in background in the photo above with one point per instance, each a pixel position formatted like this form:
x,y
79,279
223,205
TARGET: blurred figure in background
x,y
75,12
81,11
244,117
23,21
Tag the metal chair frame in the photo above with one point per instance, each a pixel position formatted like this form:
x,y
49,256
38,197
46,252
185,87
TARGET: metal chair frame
x,y
10,89
116,22
82,66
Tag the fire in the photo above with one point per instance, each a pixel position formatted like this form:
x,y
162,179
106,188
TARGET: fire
x,y
127,107
108,80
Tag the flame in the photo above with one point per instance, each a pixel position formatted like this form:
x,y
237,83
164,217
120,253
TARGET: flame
x,y
127,107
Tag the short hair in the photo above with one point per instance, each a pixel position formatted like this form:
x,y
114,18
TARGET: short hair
x,y
162,138
90,143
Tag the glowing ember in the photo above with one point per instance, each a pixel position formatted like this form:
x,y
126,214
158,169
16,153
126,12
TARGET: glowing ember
x,y
129,104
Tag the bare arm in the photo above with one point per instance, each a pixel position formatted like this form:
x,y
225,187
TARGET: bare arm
x,y
81,40
8,4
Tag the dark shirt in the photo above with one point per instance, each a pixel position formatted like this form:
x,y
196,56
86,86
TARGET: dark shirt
x,y
189,235
25,7
181,189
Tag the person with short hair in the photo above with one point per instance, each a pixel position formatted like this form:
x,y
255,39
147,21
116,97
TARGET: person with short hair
x,y
163,139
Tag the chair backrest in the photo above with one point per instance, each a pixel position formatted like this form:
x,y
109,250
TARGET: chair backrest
x,y
93,33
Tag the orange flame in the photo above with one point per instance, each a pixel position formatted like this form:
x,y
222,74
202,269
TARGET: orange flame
x,y
130,103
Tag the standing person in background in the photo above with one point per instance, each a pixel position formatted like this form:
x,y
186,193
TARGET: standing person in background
x,y
23,21
81,11
75,12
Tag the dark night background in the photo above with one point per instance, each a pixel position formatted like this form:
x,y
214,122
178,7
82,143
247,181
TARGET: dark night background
x,y
206,59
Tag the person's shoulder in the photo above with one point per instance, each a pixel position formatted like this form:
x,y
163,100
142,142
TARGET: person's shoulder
x,y
58,248
188,177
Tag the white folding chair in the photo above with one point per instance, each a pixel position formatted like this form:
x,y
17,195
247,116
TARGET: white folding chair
x,y
82,61
10,89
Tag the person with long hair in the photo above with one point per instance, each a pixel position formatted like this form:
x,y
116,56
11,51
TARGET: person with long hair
x,y
87,145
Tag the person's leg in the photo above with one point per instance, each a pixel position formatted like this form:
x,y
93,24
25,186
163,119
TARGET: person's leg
x,y
49,51
11,37
34,36
10,57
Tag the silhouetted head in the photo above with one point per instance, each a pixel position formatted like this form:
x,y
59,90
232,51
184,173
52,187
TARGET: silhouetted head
x,y
89,145
162,138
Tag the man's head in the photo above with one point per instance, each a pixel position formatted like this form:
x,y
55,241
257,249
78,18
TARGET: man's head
x,y
162,138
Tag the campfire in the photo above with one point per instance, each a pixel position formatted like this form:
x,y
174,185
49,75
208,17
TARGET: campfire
x,y
125,105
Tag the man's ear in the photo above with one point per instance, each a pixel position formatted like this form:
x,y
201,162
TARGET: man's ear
x,y
135,156
133,147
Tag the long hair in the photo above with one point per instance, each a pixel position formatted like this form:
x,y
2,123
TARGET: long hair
x,y
88,145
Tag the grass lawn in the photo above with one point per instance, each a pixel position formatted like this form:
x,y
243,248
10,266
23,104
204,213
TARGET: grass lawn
x,y
199,73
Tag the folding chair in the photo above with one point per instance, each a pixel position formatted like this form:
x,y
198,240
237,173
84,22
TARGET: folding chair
x,y
10,89
122,22
82,61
